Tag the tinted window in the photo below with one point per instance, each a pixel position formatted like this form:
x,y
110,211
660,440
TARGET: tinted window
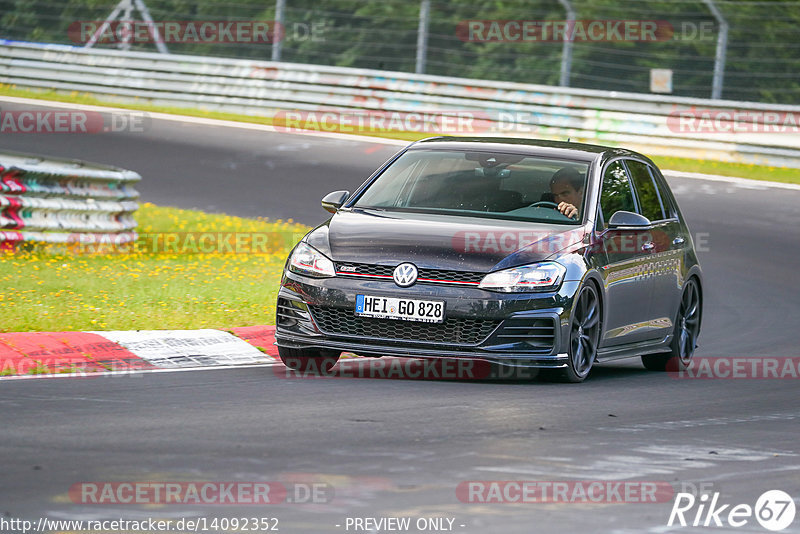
x,y
616,195
663,193
479,184
649,202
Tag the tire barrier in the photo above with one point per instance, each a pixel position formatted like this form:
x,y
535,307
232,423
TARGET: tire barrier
x,y
48,200
744,132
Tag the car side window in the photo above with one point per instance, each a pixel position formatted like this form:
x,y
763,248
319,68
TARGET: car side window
x,y
663,193
649,201
616,194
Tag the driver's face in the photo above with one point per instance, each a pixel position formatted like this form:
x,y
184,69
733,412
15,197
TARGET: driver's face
x,y
564,192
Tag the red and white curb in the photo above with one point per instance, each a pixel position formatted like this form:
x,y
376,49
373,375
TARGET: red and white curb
x,y
64,354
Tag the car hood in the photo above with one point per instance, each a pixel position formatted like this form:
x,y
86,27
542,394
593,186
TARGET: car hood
x,y
439,241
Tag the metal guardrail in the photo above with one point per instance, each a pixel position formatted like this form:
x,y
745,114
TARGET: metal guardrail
x,y
51,200
648,123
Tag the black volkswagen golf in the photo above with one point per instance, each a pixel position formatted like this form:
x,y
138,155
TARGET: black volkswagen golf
x,y
519,252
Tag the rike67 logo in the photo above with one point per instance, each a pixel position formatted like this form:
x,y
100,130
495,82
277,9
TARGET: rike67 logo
x,y
774,510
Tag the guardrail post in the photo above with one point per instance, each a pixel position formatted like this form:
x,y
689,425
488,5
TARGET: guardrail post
x,y
422,35
566,49
280,5
722,47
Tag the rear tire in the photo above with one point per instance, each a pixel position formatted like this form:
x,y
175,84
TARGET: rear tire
x,y
311,361
684,337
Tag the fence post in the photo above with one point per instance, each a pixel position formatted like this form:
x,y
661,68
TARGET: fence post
x,y
422,35
276,46
722,47
566,49
127,16
153,29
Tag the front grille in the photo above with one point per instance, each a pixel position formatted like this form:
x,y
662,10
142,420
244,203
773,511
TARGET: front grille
x,y
537,332
454,276
423,275
364,269
343,322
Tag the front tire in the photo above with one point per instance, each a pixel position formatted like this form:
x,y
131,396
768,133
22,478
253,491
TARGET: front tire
x,y
308,361
584,336
684,338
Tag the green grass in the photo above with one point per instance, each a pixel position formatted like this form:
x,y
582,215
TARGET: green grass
x,y
742,170
145,288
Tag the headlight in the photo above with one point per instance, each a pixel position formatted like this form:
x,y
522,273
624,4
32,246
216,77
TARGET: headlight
x,y
545,276
311,262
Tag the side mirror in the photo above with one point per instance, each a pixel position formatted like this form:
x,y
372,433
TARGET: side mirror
x,y
333,201
628,219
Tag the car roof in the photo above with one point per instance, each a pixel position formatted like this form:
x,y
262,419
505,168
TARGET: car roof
x,y
533,147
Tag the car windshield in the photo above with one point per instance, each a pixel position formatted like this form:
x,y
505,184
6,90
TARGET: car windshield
x,y
480,184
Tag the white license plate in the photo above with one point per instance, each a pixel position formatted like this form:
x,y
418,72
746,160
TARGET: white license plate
x,y
427,311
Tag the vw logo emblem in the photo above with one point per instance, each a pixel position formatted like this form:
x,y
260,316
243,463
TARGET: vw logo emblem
x,y
405,274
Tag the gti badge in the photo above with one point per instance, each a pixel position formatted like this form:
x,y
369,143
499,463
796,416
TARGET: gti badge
x,y
405,274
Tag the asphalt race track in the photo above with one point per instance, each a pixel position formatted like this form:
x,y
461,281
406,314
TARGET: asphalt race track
x,y
400,448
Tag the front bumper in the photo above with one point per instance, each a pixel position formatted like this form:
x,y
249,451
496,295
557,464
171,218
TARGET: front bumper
x,y
517,329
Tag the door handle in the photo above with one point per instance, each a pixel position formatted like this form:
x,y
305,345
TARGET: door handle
x,y
647,247
678,241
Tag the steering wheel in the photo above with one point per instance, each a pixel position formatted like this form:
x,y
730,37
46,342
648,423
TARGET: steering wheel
x,y
544,204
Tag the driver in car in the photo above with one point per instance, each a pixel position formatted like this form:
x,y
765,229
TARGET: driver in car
x,y
566,185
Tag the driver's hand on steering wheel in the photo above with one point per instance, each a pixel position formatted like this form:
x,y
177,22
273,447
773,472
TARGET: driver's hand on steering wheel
x,y
568,210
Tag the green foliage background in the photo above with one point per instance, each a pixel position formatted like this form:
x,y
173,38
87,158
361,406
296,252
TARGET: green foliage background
x,y
763,56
